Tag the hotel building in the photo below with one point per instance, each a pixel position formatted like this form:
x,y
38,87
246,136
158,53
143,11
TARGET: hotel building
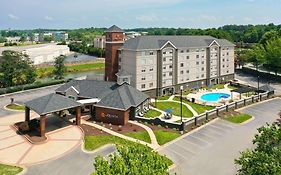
x,y
159,65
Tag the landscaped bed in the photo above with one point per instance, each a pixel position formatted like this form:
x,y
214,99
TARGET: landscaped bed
x,y
15,107
238,118
129,129
9,170
176,107
197,107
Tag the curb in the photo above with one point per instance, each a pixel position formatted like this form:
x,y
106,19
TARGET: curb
x,y
28,90
260,102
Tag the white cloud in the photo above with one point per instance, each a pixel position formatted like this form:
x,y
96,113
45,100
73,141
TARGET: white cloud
x,y
147,18
14,17
48,18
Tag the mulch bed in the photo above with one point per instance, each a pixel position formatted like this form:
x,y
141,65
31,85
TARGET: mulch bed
x,y
32,135
122,129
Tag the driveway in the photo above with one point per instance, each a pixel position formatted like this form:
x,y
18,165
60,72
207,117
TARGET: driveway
x,y
22,97
15,149
213,148
76,162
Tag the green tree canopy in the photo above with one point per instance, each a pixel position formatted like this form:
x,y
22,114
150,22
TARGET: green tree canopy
x,y
60,68
16,69
265,159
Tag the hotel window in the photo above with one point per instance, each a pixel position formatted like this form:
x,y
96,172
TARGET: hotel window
x,y
151,61
164,67
187,71
143,61
181,72
197,56
142,78
170,66
182,51
197,50
227,71
164,53
151,69
150,84
143,86
202,69
223,66
227,53
187,57
227,48
202,76
164,74
151,53
202,62
143,70
222,60
170,73
197,63
187,79
181,65
171,51
164,59
203,56
187,50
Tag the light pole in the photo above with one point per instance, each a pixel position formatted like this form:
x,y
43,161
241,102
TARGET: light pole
x,y
258,84
181,130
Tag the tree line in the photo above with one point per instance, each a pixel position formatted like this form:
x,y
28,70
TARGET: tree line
x,y
88,49
266,53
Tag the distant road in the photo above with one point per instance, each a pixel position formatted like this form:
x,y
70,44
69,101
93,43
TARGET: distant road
x,y
24,96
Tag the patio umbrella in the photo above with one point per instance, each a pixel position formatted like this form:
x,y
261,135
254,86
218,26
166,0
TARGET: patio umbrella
x,y
169,111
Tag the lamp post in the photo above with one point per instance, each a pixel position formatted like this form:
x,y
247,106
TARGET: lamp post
x,y
181,130
258,84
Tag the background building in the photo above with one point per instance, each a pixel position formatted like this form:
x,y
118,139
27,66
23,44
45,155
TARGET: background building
x,y
99,42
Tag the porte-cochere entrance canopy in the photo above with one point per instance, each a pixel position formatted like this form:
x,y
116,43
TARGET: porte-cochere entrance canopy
x,y
49,104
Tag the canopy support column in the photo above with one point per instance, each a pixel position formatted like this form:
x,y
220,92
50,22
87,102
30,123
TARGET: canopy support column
x,y
42,125
27,114
78,115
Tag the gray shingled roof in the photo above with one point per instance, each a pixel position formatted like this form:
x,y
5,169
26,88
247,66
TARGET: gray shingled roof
x,y
156,42
114,28
124,97
51,103
90,88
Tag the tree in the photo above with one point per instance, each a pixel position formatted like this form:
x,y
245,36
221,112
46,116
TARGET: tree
x,y
132,159
273,55
256,56
265,159
268,36
60,68
16,69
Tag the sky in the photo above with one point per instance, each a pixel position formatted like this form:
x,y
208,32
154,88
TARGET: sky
x,y
69,14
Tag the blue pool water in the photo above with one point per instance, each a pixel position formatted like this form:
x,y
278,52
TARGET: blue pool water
x,y
214,97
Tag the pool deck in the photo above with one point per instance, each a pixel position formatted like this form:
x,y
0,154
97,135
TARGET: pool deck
x,y
197,95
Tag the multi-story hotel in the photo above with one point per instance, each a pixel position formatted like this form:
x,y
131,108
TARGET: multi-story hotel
x,y
159,65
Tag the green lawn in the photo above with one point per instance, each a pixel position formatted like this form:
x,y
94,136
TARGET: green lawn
x,y
232,87
47,71
94,142
9,170
152,114
175,107
165,136
163,98
140,135
15,107
240,118
197,107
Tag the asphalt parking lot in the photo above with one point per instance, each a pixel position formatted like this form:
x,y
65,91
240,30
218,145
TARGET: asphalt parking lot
x,y
212,149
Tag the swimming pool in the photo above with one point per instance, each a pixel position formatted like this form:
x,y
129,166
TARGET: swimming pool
x,y
214,97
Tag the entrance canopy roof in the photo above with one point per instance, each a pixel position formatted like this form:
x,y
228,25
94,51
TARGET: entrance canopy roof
x,y
51,103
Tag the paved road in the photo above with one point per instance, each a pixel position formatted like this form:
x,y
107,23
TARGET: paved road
x,y
23,97
212,149
77,162
252,80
